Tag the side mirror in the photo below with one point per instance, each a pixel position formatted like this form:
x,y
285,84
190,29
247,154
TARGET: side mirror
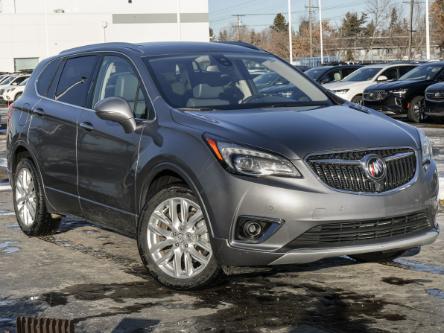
x,y
14,84
382,78
118,110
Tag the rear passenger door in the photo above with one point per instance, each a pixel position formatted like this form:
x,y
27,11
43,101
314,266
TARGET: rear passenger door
x,y
53,128
107,156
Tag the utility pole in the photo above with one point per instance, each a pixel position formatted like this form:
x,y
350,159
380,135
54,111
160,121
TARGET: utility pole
x,y
310,12
239,24
290,33
412,4
427,30
321,37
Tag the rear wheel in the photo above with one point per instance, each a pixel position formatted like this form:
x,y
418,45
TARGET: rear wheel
x,y
377,256
29,201
415,112
174,240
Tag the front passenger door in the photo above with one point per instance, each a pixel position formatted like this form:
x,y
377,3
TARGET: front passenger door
x,y
107,156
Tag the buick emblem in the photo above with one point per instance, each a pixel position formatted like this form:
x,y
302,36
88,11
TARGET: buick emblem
x,y
374,167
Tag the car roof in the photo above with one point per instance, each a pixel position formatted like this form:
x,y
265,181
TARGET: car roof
x,y
163,48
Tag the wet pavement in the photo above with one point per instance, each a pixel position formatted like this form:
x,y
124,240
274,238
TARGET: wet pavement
x,y
95,277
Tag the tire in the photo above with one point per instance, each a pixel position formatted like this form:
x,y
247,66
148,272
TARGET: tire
x,y
415,113
16,97
377,256
29,201
178,256
357,99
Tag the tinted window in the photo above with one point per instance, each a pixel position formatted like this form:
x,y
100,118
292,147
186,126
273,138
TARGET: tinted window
x,y
117,78
333,75
405,69
423,72
348,71
46,77
19,80
75,80
391,73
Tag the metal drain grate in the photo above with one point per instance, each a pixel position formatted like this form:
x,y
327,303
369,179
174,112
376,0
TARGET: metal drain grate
x,y
44,325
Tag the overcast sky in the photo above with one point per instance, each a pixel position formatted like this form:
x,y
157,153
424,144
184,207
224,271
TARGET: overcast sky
x,y
221,11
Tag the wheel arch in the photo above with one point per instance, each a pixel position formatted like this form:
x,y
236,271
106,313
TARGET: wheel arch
x,y
168,173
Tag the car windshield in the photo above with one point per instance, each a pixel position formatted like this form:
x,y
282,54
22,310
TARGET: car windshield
x,y
8,80
226,81
23,83
316,73
424,72
363,74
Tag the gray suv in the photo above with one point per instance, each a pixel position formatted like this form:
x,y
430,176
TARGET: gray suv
x,y
173,144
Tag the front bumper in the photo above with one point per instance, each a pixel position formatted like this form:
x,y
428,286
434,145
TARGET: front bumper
x,y
303,204
390,105
434,109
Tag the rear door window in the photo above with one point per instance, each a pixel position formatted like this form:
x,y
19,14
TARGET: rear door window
x,y
47,77
391,73
75,80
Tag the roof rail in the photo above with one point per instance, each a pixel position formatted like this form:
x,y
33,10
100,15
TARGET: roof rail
x,y
102,46
240,43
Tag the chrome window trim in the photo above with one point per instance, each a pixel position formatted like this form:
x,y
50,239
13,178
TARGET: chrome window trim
x,y
86,53
389,192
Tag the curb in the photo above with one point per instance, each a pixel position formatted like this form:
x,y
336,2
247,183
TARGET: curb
x,y
3,169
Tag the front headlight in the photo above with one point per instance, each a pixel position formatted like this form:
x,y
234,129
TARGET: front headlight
x,y
341,91
251,162
426,147
399,92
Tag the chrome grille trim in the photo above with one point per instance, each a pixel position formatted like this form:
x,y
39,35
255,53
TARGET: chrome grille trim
x,y
344,170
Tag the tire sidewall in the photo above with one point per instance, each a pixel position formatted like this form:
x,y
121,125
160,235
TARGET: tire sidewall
x,y
411,112
40,206
203,278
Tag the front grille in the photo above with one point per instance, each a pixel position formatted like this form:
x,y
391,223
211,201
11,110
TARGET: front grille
x,y
345,170
377,95
362,231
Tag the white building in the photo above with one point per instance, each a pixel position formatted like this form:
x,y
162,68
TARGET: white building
x,y
34,29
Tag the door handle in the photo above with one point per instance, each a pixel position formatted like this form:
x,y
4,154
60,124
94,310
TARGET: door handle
x,y
39,111
87,126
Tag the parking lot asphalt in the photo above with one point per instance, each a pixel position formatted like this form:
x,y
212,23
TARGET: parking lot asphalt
x,y
95,277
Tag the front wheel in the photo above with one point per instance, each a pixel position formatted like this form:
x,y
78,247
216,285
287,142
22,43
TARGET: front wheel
x,y
357,100
174,240
415,112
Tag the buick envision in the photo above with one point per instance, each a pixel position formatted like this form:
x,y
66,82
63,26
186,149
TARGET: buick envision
x,y
174,144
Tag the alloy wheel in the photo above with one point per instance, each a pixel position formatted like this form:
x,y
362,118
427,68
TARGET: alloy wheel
x,y
25,196
178,238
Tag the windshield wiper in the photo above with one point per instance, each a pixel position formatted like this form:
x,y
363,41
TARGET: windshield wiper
x,y
197,109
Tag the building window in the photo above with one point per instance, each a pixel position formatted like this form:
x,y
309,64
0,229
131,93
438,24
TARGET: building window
x,y
22,64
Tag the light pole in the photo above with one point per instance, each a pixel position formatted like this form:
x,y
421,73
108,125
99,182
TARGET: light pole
x,y
104,26
427,30
290,36
179,29
321,37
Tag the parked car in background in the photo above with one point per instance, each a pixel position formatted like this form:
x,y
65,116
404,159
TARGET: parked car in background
x,y
14,92
352,87
434,100
327,74
11,82
269,79
174,144
302,68
4,77
405,96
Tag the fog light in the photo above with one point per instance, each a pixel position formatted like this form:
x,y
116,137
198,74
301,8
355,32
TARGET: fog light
x,y
252,229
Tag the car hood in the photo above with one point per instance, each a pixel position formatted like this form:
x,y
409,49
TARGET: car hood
x,y
295,133
346,85
403,84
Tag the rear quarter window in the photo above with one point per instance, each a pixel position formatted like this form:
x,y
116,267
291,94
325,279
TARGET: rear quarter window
x,y
47,76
